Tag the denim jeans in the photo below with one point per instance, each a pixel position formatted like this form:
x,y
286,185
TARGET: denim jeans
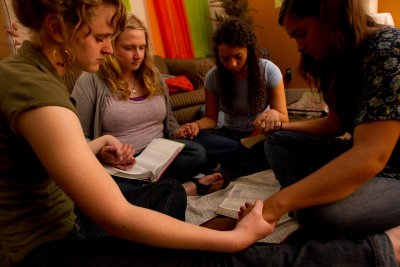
x,y
374,250
373,208
189,162
89,245
223,147
166,196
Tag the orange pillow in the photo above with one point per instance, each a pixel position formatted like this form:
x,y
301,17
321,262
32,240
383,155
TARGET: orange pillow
x,y
179,84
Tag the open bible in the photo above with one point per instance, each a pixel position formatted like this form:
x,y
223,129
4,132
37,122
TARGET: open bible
x,y
242,193
152,162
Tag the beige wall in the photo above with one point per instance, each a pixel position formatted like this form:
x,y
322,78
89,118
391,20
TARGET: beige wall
x,y
283,50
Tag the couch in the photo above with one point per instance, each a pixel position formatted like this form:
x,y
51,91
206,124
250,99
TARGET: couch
x,y
185,105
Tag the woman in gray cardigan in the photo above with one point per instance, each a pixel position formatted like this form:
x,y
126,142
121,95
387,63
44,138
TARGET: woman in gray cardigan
x,y
127,100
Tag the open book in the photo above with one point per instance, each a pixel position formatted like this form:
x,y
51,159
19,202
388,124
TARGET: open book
x,y
242,193
310,105
152,162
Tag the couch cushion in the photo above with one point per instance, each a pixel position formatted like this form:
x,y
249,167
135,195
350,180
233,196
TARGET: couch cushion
x,y
179,84
194,69
187,99
161,65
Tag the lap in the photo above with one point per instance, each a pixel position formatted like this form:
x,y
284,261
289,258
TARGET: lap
x,y
119,253
374,207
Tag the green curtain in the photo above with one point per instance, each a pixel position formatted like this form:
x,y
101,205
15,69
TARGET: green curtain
x,y
198,13
128,5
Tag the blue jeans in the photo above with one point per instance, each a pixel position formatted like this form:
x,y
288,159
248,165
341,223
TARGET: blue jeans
x,y
374,250
223,147
373,208
189,162
89,245
166,196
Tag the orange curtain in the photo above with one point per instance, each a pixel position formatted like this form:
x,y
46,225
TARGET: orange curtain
x,y
154,29
174,28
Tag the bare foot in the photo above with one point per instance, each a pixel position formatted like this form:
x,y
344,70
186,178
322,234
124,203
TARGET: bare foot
x,y
214,182
394,236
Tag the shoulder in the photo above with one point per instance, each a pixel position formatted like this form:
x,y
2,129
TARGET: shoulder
x,y
88,83
382,52
212,73
29,90
86,77
271,72
384,41
268,65
379,88
210,81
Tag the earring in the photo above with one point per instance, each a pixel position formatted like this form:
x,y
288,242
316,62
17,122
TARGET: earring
x,y
68,57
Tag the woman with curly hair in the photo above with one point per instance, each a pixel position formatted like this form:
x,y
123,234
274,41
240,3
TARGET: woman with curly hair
x,y
126,99
248,93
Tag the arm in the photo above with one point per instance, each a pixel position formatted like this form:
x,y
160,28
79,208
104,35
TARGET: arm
x,y
209,120
268,120
171,124
327,126
68,159
110,151
372,147
85,95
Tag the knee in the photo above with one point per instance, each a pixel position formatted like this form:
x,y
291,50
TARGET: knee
x,y
174,190
201,154
275,138
328,218
272,141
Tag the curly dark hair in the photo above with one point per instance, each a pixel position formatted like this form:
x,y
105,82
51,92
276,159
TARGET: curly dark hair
x,y
237,33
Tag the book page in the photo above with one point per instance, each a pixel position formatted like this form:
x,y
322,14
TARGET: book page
x,y
242,193
154,158
158,154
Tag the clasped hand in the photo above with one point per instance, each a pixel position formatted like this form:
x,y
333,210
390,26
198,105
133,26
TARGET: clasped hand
x,y
251,219
120,157
187,131
268,122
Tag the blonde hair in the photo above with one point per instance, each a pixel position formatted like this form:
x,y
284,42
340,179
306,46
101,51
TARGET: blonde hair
x,y
74,15
147,74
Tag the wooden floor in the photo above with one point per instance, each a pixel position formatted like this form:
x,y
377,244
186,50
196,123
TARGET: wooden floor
x,y
221,223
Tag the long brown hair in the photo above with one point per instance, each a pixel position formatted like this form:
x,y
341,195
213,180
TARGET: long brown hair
x,y
348,25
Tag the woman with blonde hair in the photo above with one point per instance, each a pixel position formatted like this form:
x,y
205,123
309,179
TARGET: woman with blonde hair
x,y
126,99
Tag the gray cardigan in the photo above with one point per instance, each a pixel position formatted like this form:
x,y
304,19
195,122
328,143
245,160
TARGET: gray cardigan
x,y
89,94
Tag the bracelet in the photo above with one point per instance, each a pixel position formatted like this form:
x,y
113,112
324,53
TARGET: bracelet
x,y
280,128
198,124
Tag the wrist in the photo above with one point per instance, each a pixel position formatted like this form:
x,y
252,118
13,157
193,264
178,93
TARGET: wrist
x,y
198,124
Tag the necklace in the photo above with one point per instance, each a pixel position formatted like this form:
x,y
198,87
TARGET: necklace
x,y
132,88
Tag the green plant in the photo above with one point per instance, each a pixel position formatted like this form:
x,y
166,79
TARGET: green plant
x,y
233,8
